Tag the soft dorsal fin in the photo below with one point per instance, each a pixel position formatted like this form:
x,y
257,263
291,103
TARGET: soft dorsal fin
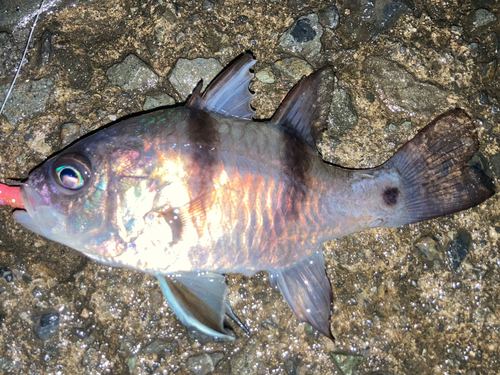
x,y
307,291
228,94
298,110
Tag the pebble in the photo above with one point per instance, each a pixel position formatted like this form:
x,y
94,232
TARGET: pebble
x,y
400,91
188,73
329,17
132,74
428,248
69,133
31,97
201,364
157,100
7,274
265,76
47,324
294,68
303,37
484,18
347,363
458,248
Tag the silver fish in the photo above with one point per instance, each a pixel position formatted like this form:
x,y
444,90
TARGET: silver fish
x,y
190,193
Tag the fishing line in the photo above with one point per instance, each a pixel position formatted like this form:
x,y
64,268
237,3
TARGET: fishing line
x,y
22,58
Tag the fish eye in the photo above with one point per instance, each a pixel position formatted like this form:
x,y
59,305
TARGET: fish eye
x,y
71,171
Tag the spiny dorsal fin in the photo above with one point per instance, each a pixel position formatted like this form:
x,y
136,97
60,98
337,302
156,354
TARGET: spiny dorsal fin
x,y
298,111
228,94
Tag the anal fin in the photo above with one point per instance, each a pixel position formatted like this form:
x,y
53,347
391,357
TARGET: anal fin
x,y
307,291
199,300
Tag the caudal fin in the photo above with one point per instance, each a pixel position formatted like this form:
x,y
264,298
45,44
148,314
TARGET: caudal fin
x,y
437,178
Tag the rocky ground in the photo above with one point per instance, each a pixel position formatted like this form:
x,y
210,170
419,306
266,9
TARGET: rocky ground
x,y
422,299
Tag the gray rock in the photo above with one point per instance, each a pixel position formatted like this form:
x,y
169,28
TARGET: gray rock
x,y
26,99
428,248
304,37
329,17
479,21
132,74
484,18
400,91
10,55
458,248
187,73
495,164
69,133
367,19
47,324
265,76
157,100
201,364
294,68
343,116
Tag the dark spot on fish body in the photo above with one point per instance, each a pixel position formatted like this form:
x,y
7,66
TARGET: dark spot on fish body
x,y
391,196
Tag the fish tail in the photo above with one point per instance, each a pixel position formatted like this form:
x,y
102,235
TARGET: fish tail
x,y
437,177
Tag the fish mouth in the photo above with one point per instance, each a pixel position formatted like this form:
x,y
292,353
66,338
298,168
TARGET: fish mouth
x,y
26,216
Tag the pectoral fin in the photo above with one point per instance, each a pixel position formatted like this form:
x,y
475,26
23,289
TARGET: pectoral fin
x,y
199,300
307,291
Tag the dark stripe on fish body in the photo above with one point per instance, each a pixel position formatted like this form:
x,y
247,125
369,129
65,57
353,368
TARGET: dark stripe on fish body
x,y
204,142
296,165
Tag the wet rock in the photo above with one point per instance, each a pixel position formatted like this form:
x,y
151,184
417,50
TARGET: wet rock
x,y
495,164
265,76
303,37
161,345
7,274
10,55
347,363
294,68
17,13
132,74
45,49
47,324
483,98
428,248
157,100
343,115
400,91
293,365
479,21
69,133
488,71
77,68
329,17
202,364
480,162
28,99
187,73
207,5
366,19
458,248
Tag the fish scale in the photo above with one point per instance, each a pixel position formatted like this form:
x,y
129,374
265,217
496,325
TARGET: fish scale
x,y
193,192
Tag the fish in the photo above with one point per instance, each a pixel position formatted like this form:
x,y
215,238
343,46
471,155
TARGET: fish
x,y
190,193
